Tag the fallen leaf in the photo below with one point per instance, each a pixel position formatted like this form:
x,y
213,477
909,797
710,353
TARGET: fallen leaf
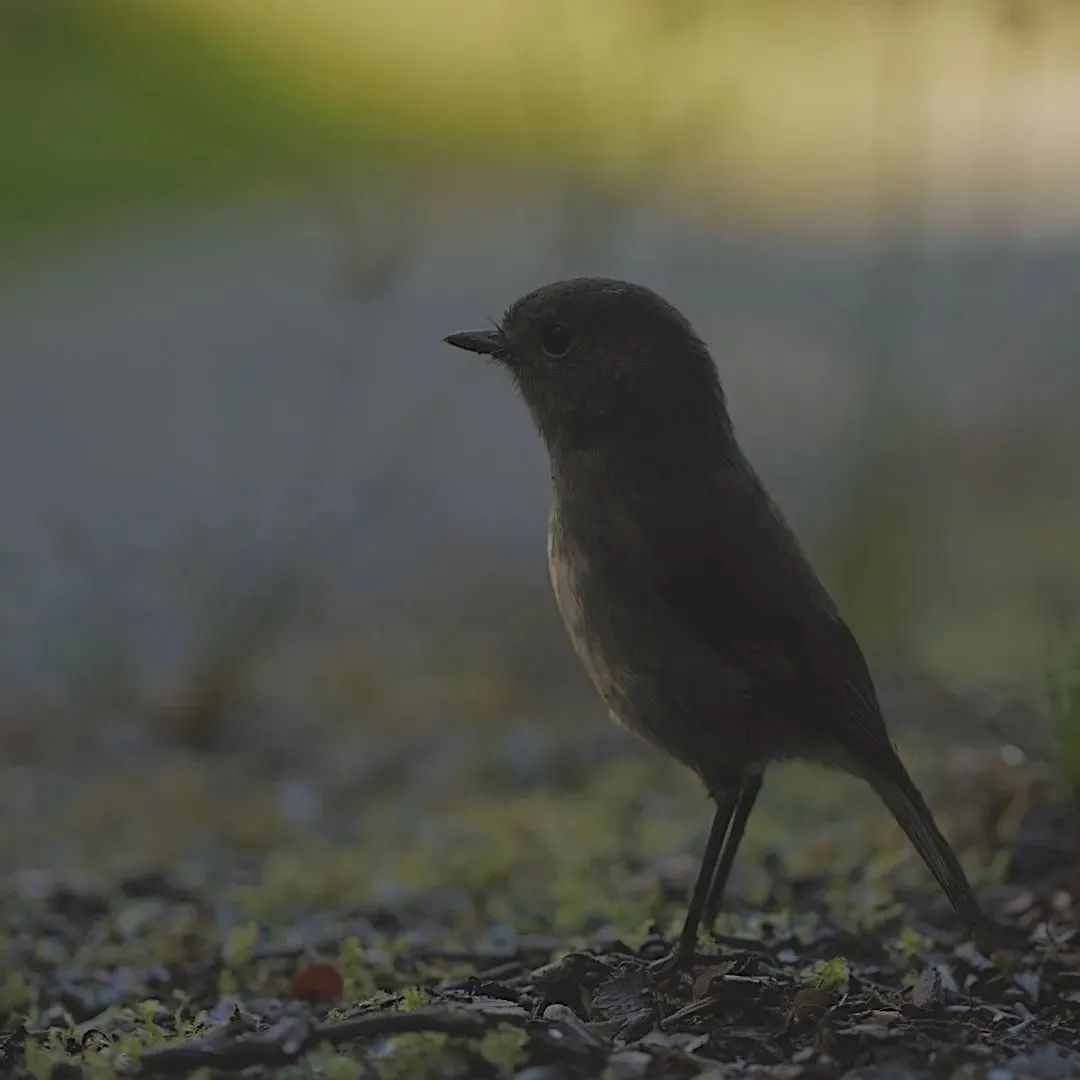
x,y
1029,982
703,983
926,994
870,1031
811,1001
317,981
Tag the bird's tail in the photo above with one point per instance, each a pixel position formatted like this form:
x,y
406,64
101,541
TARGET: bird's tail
x,y
912,814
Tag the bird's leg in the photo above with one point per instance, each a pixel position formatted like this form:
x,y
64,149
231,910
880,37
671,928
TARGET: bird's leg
x,y
687,943
747,796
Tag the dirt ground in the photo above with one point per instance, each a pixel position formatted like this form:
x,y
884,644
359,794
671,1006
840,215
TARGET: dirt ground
x,y
417,902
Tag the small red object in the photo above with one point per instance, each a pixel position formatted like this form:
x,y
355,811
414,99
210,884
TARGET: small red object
x,y
317,982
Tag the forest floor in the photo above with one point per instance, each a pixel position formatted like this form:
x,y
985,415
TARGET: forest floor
x,y
488,907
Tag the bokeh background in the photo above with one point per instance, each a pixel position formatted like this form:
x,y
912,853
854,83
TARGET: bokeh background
x,y
272,558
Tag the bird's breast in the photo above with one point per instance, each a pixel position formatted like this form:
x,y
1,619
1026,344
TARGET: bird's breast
x,y
656,678
568,572
590,619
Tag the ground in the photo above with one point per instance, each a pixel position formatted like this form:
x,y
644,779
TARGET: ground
x,y
484,902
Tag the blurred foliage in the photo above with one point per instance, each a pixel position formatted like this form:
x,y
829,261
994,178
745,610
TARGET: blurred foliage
x,y
1063,690
775,110
774,107
108,106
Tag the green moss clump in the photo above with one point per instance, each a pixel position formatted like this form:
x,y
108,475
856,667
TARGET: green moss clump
x,y
414,997
413,1057
504,1047
831,974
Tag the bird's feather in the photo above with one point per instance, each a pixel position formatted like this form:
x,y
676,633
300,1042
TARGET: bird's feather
x,y
755,600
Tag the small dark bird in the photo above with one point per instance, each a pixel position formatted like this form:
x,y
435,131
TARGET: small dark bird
x,y
686,595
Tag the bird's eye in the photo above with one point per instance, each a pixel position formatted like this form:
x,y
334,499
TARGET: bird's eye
x,y
556,339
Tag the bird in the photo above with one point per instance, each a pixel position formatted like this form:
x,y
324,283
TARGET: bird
x,y
685,594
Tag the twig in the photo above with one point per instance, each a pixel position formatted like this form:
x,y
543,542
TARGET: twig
x,y
286,1040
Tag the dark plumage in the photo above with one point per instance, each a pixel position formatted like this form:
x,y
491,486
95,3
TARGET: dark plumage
x,y
687,597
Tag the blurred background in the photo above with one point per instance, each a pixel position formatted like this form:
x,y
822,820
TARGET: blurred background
x,y
272,558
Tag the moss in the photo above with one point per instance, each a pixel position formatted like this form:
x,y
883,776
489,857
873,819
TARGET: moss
x,y
911,946
413,1057
504,1047
329,1064
414,997
14,992
42,1055
239,943
356,971
833,974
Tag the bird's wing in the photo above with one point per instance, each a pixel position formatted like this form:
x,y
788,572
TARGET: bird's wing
x,y
738,582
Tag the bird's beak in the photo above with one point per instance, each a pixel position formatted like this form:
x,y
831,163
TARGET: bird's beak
x,y
488,342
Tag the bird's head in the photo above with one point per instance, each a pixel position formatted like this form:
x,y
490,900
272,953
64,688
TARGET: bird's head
x,y
596,358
